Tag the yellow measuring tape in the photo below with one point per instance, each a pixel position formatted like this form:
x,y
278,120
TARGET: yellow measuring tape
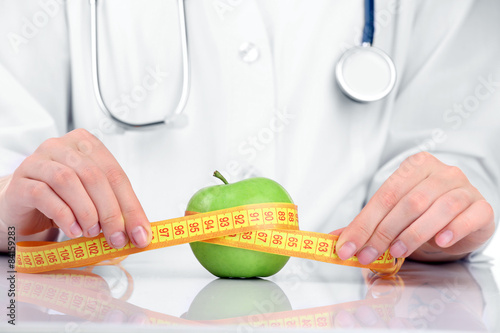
x,y
269,227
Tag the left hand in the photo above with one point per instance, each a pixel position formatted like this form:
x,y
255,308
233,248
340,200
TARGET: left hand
x,y
425,209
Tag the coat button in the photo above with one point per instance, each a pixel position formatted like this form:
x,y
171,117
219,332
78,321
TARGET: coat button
x,y
249,53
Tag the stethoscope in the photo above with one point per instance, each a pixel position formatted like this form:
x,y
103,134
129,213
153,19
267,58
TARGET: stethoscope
x,y
171,119
364,73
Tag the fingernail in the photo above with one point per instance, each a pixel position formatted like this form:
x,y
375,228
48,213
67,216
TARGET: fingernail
x,y
75,230
118,240
367,255
398,249
140,236
444,238
346,251
94,231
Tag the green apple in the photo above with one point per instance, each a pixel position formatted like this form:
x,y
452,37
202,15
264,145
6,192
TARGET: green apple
x,y
230,262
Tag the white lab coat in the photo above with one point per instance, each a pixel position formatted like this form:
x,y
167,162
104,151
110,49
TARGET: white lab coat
x,y
274,111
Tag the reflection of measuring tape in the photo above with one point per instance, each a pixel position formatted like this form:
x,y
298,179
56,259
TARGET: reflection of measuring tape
x,y
85,295
270,227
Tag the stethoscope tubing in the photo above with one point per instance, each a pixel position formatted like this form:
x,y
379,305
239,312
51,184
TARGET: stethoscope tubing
x,y
181,104
369,28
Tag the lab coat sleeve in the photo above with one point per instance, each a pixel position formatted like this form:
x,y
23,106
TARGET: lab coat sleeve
x,y
24,123
448,97
34,78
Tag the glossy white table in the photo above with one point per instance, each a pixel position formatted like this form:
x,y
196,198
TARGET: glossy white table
x,y
168,289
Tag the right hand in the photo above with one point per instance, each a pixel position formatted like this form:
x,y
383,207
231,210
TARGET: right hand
x,y
76,184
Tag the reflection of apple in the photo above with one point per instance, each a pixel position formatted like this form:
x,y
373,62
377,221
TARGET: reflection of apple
x,y
224,298
224,261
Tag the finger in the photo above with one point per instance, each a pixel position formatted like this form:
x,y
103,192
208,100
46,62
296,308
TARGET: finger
x,y
445,209
98,189
337,232
66,184
476,222
136,222
38,195
104,198
410,173
407,210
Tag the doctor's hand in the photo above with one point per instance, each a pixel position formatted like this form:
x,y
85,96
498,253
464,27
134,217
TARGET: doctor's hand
x,y
425,210
76,184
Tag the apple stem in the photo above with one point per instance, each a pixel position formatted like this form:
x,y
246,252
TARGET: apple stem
x,y
217,174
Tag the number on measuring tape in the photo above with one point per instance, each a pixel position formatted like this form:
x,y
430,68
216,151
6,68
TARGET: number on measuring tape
x,y
255,216
293,242
179,229
308,244
28,259
104,245
154,234
278,239
52,257
65,254
225,221
247,237
240,219
93,248
195,227
263,238
78,252
324,247
269,215
39,259
293,218
165,232
210,225
19,260
233,237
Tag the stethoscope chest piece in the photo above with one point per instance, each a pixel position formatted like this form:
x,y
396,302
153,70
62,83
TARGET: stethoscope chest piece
x,y
365,73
